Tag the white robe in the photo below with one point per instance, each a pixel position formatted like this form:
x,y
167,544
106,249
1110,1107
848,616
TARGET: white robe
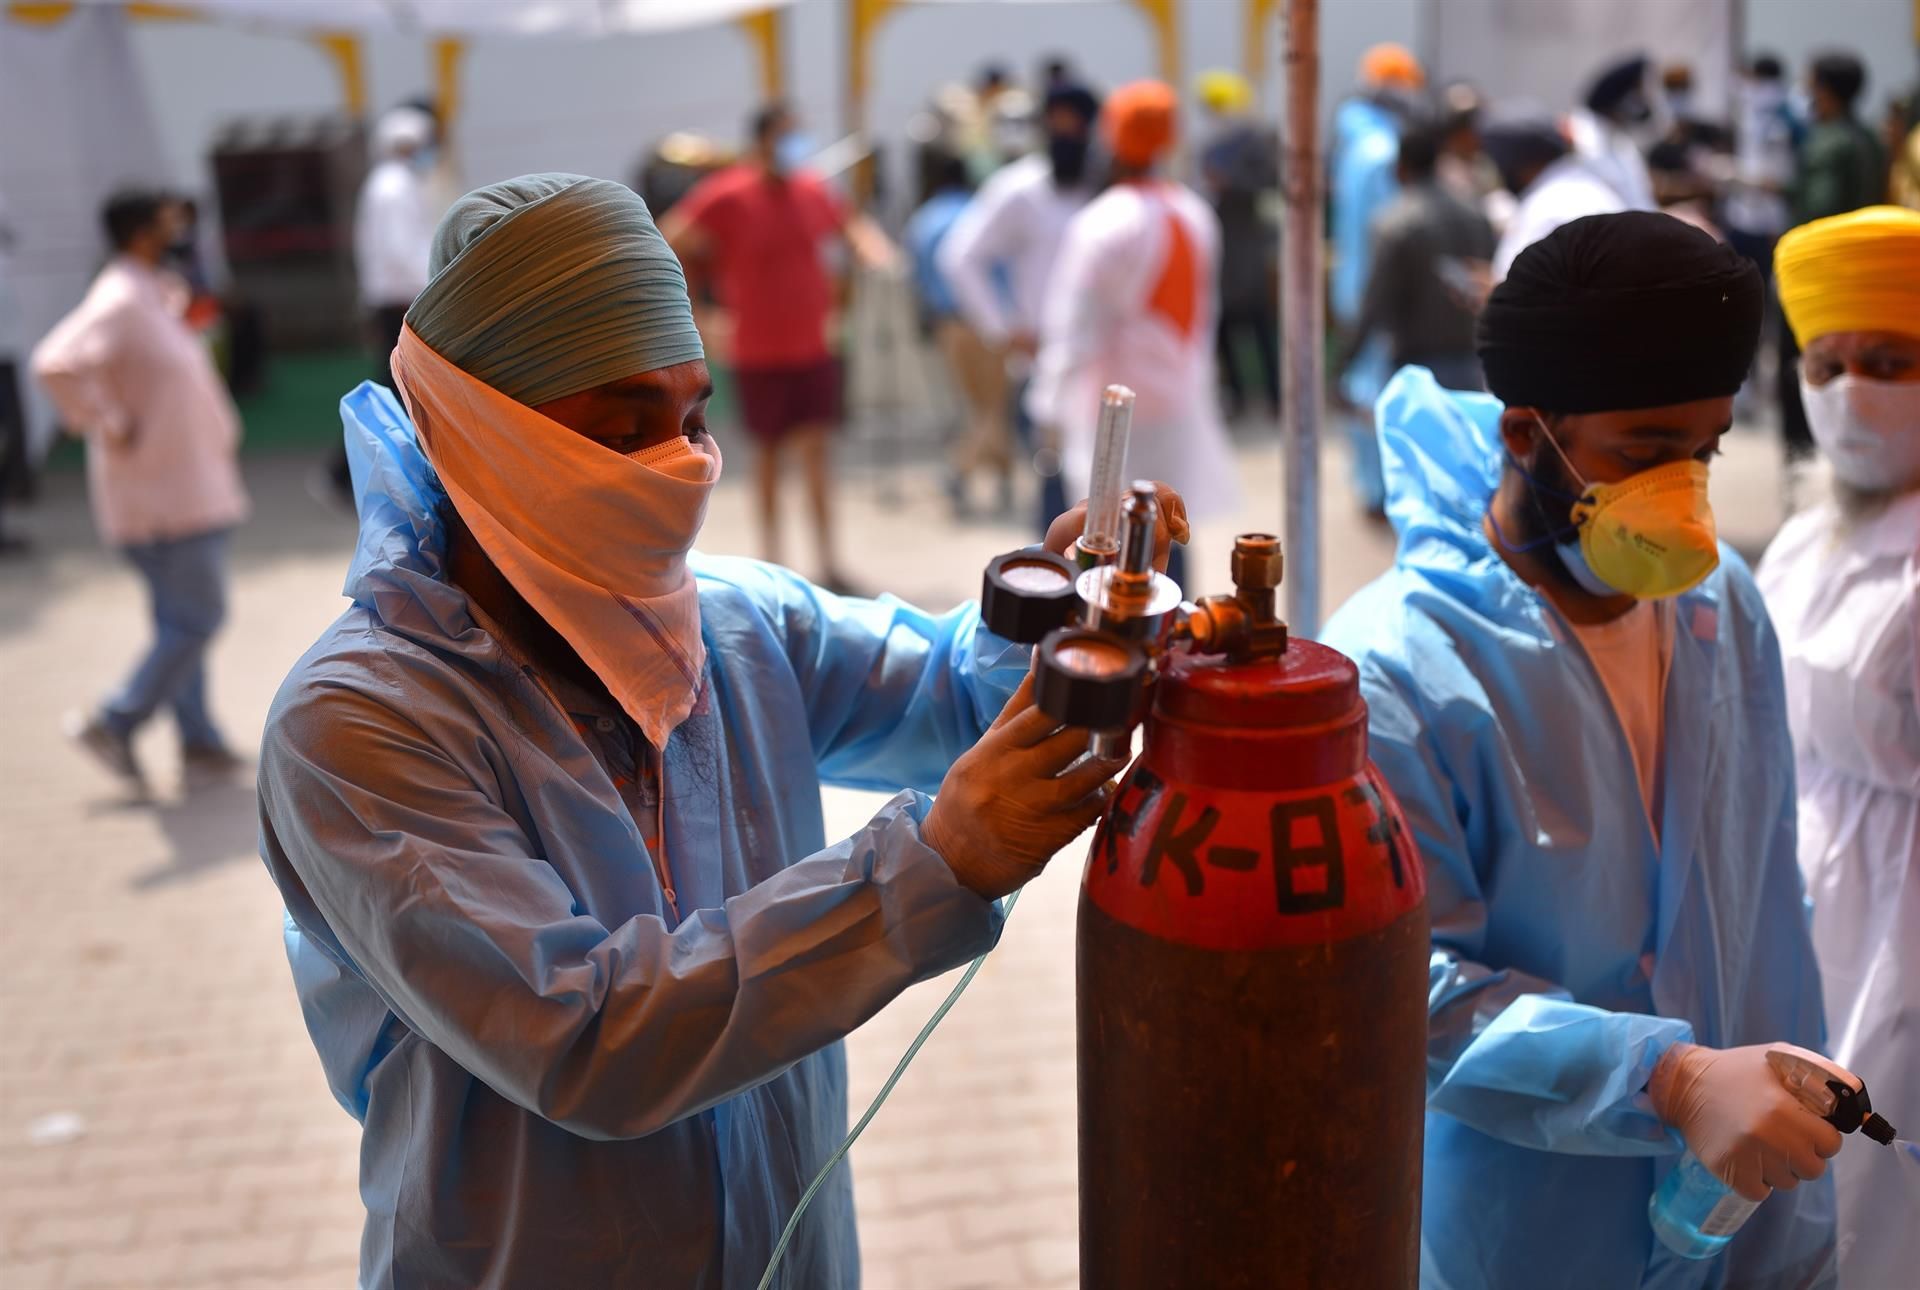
x,y
1099,327
1566,190
1615,155
393,230
1846,602
1013,225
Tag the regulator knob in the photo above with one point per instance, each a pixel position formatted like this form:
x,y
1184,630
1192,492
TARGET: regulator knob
x,y
1027,594
1091,679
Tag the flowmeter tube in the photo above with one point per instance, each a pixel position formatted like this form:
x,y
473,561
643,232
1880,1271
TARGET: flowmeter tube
x,y
1107,486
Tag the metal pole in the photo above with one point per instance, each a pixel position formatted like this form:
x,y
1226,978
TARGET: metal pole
x,y
1302,318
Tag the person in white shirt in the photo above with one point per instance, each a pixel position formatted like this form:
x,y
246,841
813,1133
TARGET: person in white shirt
x,y
1755,209
393,225
1842,582
1553,185
127,373
1000,253
394,218
1133,300
1606,131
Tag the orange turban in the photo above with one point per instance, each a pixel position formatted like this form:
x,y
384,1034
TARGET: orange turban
x,y
1139,121
1391,65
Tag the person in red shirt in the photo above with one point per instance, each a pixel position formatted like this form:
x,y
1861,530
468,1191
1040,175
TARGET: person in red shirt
x,y
759,227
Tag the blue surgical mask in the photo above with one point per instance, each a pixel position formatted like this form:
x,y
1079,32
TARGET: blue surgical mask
x,y
1581,572
1565,541
425,159
793,151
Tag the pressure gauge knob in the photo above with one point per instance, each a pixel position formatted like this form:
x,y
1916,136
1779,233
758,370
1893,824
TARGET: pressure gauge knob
x,y
1027,594
1091,679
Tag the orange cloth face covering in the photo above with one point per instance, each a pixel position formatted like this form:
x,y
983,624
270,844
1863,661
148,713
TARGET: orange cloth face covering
x,y
596,541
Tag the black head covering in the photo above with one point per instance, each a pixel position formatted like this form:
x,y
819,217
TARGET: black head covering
x,y
1617,84
1634,310
1520,145
1076,98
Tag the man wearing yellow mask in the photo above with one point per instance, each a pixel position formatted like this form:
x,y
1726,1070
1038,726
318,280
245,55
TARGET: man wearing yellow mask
x,y
544,805
1843,582
1576,694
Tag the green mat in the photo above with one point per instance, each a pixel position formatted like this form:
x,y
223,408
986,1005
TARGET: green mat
x,y
297,410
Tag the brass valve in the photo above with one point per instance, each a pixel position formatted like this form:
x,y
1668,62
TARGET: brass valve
x,y
1246,624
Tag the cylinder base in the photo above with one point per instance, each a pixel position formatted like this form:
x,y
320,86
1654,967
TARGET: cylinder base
x,y
1251,1119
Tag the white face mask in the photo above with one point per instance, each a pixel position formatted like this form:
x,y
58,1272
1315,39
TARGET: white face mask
x,y
1869,430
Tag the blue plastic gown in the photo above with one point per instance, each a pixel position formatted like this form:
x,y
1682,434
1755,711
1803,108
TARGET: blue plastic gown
x,y
561,1083
1366,152
1569,949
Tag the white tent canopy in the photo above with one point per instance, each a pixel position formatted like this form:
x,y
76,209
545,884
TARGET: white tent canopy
x,y
465,17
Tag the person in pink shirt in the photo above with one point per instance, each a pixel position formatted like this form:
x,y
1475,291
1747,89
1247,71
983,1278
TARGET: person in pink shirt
x,y
760,226
128,375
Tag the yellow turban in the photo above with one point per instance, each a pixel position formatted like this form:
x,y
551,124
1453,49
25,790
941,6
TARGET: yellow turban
x,y
1224,92
1855,272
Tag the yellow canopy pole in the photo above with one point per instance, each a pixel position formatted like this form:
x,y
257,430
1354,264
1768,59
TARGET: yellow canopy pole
x,y
1254,40
1165,15
344,49
45,13
863,17
768,33
448,53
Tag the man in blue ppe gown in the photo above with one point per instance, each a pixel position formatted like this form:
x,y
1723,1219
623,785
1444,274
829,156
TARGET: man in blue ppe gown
x,y
582,984
1577,696
1363,154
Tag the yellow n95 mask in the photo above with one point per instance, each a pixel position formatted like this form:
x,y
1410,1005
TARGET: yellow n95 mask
x,y
1649,536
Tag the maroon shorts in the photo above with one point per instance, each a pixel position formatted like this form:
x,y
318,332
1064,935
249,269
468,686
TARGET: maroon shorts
x,y
776,401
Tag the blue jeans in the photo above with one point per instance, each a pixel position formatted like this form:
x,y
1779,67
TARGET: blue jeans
x,y
187,589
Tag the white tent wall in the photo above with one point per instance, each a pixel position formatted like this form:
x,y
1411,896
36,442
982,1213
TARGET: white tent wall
x,y
204,76
548,103
523,110
1547,53
595,103
73,104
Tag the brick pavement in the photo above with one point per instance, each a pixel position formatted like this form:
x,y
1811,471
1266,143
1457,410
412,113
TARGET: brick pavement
x,y
145,991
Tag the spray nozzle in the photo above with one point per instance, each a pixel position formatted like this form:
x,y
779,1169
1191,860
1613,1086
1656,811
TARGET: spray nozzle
x,y
1835,1095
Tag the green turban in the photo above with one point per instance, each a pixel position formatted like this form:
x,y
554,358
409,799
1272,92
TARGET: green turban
x,y
547,285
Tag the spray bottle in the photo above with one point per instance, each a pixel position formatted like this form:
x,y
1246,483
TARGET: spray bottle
x,y
1695,1214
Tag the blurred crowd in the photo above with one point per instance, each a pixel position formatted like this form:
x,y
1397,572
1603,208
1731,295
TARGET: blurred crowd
x,y
1054,236
1433,194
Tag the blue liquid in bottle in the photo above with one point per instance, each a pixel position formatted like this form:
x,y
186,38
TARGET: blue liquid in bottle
x,y
1695,1214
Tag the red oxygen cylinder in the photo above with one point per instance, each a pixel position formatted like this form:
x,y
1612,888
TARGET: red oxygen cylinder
x,y
1252,994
